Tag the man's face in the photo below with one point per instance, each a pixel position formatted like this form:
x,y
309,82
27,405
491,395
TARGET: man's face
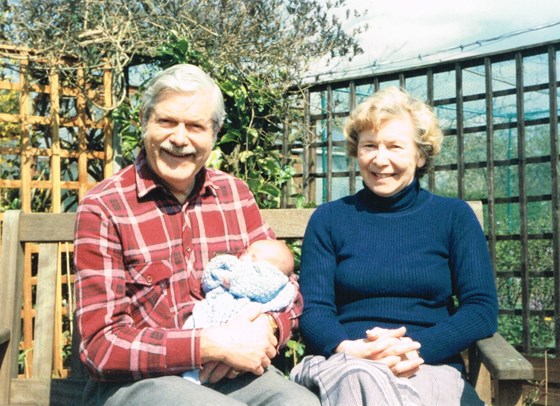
x,y
178,138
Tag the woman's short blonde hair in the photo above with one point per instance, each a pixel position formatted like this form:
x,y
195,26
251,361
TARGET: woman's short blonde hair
x,y
392,103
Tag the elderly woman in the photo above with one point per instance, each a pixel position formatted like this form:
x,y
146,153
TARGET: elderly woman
x,y
393,269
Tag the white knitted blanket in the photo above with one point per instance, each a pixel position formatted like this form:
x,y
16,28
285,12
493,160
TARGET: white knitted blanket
x,y
230,284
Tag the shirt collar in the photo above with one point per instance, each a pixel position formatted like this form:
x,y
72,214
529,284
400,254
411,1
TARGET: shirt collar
x,y
147,181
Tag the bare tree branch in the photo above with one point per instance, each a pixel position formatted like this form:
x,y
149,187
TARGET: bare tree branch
x,y
275,40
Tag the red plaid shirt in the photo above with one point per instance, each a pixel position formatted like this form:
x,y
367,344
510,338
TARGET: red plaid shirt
x,y
139,256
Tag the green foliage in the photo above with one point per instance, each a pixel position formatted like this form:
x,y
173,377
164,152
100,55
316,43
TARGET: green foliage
x,y
256,49
539,263
511,328
9,137
508,251
295,349
23,364
249,144
126,119
251,137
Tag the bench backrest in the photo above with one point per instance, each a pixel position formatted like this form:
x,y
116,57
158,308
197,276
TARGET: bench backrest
x,y
48,231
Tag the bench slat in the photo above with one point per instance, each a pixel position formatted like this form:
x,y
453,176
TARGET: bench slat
x,y
47,227
10,297
477,207
291,223
32,391
45,311
287,223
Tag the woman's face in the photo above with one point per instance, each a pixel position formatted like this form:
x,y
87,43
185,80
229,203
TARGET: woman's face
x,y
389,157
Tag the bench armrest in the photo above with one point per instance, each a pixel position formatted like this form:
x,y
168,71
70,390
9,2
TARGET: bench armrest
x,y
502,360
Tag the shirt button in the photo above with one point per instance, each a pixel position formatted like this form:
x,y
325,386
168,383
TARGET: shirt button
x,y
149,278
188,249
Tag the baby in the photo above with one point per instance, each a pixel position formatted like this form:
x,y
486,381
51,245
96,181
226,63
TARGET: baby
x,y
259,275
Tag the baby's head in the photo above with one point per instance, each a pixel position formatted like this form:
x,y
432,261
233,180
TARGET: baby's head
x,y
274,252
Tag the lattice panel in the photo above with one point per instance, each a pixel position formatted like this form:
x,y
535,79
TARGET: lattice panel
x,y
55,132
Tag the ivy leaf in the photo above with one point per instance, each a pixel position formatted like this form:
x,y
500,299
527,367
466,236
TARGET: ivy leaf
x,y
270,190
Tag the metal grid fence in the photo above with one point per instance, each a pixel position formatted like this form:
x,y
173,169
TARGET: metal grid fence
x,y
500,114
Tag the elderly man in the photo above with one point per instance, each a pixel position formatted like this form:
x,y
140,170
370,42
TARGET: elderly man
x,y
143,238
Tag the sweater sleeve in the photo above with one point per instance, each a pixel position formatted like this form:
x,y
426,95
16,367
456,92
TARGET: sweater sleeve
x,y
319,324
473,286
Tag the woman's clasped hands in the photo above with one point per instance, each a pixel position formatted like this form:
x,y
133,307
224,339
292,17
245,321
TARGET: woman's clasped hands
x,y
389,346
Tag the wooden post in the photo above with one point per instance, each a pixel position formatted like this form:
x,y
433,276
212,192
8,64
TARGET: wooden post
x,y
107,123
25,153
55,125
82,139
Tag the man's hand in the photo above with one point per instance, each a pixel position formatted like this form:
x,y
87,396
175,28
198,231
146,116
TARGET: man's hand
x,y
245,344
389,346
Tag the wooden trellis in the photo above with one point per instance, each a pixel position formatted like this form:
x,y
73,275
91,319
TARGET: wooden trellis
x,y
55,144
48,128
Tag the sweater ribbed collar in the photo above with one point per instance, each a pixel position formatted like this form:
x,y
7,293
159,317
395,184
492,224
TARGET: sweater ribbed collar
x,y
403,200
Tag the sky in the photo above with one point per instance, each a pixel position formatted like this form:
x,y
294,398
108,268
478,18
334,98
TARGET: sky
x,y
404,33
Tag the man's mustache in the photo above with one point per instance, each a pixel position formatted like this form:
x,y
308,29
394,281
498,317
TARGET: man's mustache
x,y
176,150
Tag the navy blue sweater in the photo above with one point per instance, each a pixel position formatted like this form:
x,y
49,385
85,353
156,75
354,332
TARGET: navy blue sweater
x,y
372,261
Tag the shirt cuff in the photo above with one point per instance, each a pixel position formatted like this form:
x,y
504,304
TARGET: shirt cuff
x,y
284,323
183,349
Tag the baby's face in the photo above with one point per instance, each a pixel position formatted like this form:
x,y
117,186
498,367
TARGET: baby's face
x,y
271,251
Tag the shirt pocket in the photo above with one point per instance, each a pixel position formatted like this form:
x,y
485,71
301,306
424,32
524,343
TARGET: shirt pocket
x,y
147,287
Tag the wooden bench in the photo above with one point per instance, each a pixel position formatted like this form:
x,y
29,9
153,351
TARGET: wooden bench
x,y
492,357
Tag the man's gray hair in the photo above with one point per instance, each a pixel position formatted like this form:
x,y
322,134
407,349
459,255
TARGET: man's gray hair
x,y
183,79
